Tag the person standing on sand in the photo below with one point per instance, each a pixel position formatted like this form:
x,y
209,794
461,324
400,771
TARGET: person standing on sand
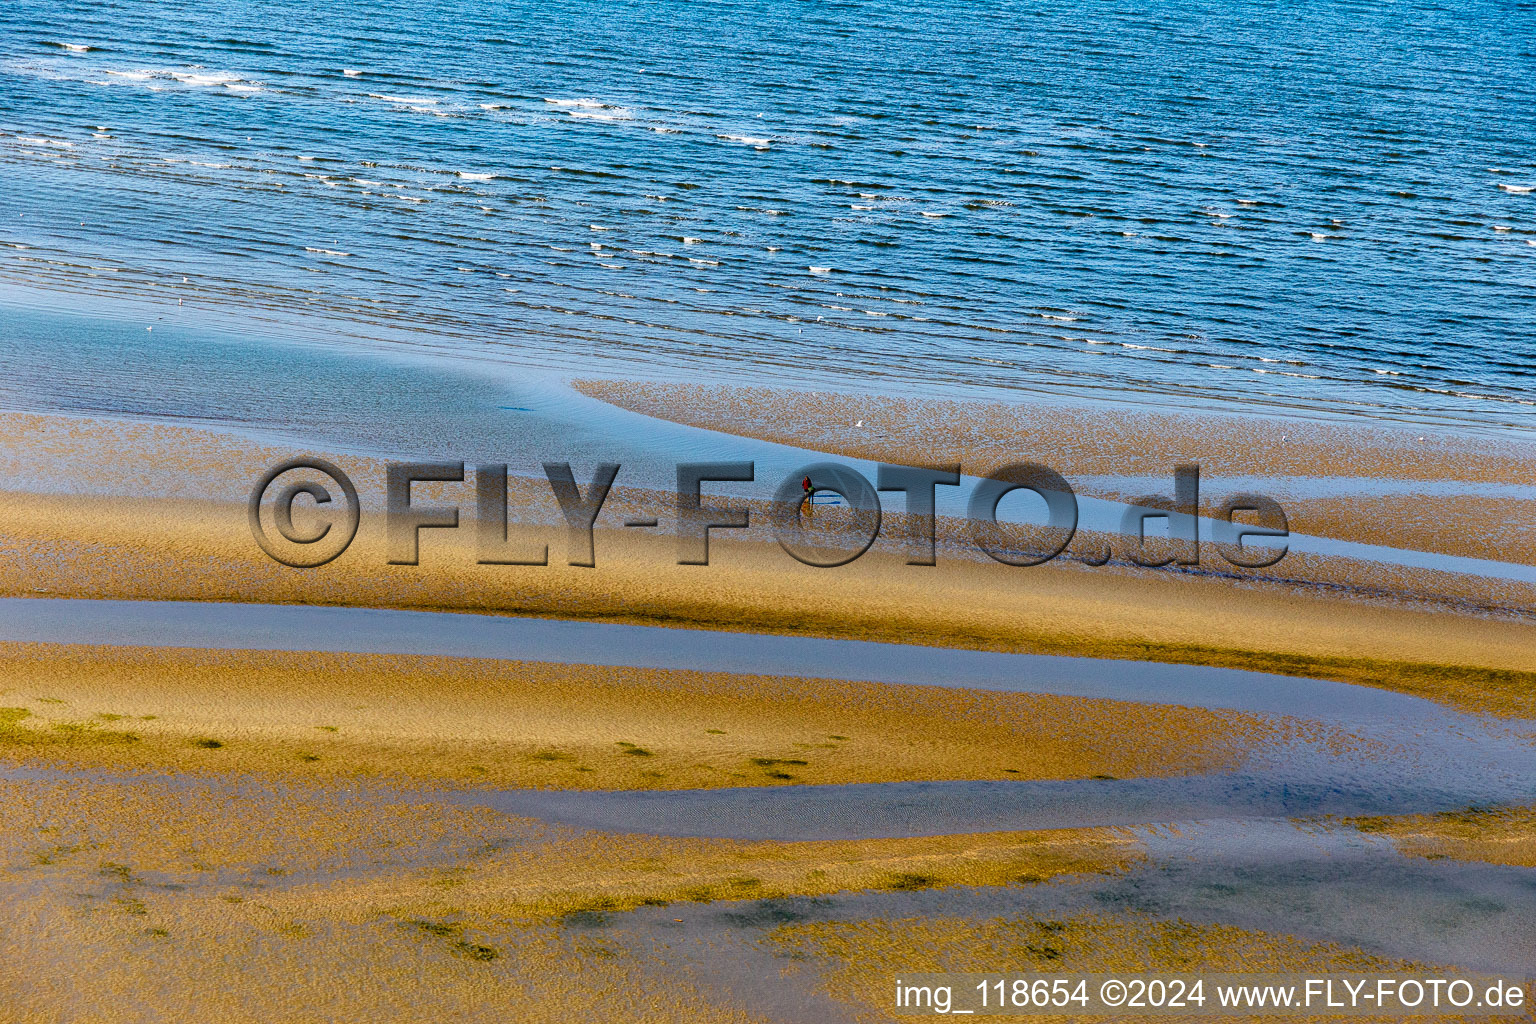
x,y
805,485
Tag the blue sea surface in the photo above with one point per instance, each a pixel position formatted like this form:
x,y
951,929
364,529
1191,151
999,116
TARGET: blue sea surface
x,y
1319,206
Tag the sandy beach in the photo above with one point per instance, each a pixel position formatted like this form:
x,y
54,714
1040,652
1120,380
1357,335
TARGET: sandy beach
x,y
322,804
1118,441
596,658
325,893
1434,634
483,723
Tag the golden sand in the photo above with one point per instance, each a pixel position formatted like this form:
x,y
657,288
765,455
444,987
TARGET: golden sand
x,y
1129,441
859,960
1496,529
1452,638
367,849
261,902
173,549
302,863
1107,439
222,965
481,722
1494,835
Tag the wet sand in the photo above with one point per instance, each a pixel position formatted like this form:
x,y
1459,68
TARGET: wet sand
x,y
1116,440
268,835
82,525
1498,529
1110,439
388,703
142,899
860,959
1492,835
507,724
139,898
376,846
174,549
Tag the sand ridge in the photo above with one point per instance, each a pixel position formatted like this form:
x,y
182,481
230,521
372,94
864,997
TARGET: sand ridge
x,y
1130,441
156,549
483,723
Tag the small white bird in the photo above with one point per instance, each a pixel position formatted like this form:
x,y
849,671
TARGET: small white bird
x,y
859,424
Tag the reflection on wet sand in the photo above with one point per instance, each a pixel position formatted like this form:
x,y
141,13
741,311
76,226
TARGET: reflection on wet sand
x,y
649,791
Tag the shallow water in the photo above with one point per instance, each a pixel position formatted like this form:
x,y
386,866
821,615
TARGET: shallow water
x,y
1411,755
1319,880
1177,206
1229,202
895,809
1478,917
389,631
396,403
1286,488
1323,883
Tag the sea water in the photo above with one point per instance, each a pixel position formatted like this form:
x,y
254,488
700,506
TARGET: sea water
x,y
1329,207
